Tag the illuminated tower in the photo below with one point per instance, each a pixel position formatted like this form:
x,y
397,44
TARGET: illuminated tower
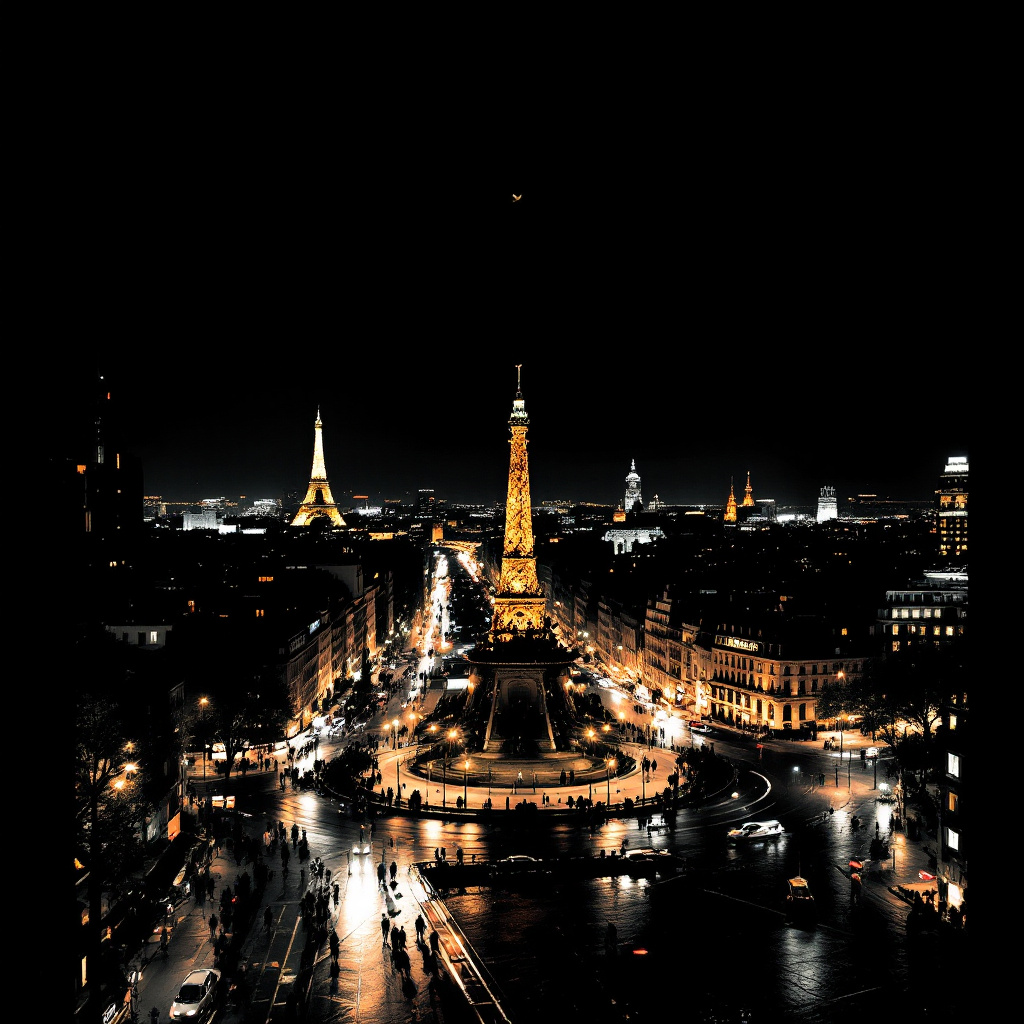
x,y
748,496
521,660
319,502
519,601
827,506
951,511
633,499
730,505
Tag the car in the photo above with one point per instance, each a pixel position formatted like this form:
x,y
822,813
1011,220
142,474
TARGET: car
x,y
756,830
700,727
871,752
197,996
518,858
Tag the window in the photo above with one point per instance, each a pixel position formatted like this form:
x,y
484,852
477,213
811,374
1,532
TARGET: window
x,y
154,636
952,839
953,764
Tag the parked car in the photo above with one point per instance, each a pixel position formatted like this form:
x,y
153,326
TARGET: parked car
x,y
198,996
756,830
700,727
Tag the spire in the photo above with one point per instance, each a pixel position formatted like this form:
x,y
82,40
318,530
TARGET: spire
x,y
730,505
633,500
748,497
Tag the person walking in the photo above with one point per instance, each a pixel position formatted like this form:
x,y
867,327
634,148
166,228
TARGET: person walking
x,y
385,927
268,919
163,941
213,927
394,871
421,928
435,941
335,945
381,870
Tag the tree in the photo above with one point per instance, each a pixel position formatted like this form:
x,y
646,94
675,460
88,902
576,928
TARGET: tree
x,y
241,717
911,686
109,808
245,699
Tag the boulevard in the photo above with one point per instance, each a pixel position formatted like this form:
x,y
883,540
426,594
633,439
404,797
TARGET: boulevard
x,y
731,895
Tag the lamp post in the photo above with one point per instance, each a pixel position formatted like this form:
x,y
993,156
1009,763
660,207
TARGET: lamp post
x,y
394,738
590,736
608,766
203,701
840,677
444,782
465,795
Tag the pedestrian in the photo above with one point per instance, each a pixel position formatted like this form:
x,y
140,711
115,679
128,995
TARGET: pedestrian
x,y
380,875
394,870
435,941
335,945
268,919
163,940
421,927
213,927
385,927
348,860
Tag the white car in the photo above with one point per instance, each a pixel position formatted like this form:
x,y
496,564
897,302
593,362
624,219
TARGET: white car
x,y
756,830
700,727
197,996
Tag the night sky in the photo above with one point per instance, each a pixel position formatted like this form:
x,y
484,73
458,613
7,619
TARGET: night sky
x,y
793,320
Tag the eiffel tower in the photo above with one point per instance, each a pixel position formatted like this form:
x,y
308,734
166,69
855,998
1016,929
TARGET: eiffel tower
x,y
319,502
521,661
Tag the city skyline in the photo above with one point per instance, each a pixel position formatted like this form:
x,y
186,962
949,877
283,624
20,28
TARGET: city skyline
x,y
245,429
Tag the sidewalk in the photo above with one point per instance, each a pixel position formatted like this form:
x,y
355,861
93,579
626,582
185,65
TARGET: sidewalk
x,y
282,969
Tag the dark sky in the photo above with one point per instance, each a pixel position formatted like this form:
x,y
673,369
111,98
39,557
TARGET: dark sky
x,y
787,304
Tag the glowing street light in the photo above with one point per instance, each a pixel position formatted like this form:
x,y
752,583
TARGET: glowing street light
x,y
609,765
590,736
203,701
394,738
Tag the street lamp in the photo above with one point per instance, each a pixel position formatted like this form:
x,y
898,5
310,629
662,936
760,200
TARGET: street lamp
x,y
590,736
394,724
203,701
608,766
444,782
840,678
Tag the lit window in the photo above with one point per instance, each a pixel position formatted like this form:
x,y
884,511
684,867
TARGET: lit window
x,y
154,636
952,840
953,764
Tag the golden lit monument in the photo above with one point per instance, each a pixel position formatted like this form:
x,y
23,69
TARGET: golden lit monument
x,y
319,502
521,661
